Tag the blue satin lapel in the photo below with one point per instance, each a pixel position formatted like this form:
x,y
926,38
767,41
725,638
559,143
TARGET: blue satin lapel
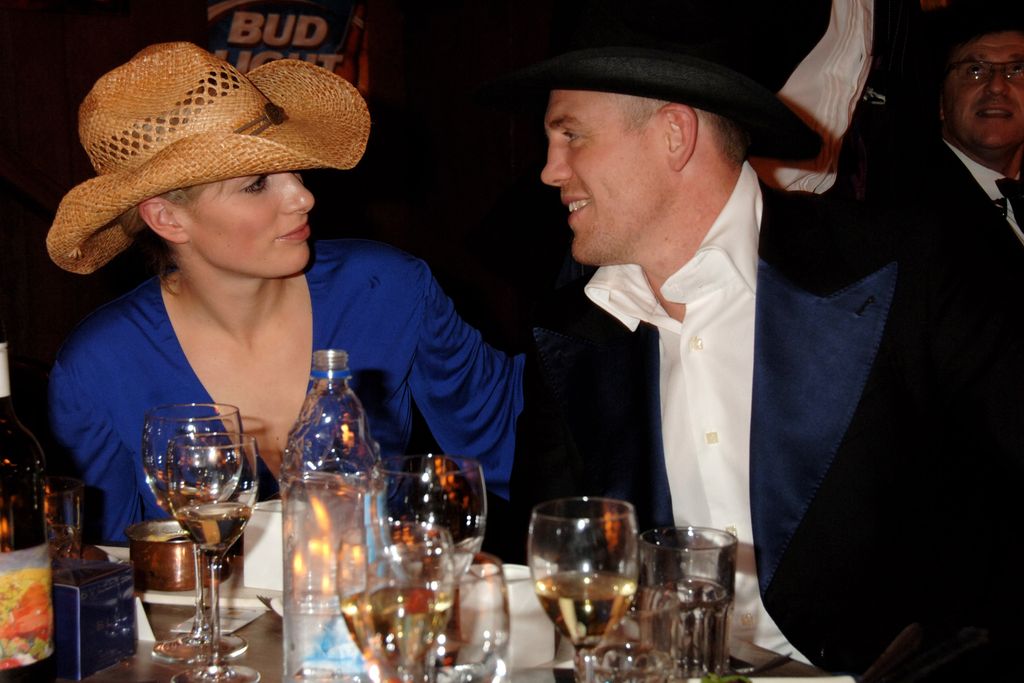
x,y
812,357
659,505
609,389
640,477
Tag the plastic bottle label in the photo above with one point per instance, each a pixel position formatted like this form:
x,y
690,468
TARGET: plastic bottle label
x,y
26,610
330,374
321,513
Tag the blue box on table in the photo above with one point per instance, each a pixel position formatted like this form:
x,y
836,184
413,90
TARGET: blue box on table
x,y
93,614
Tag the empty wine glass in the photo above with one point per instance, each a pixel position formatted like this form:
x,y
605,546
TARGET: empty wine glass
x,y
161,424
439,490
408,600
582,554
211,488
476,646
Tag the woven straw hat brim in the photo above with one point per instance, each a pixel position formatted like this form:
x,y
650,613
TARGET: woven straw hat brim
x,y
327,127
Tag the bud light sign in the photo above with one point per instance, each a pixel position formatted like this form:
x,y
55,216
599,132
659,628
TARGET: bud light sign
x,y
249,33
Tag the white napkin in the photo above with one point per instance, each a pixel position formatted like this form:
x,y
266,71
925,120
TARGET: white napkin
x,y
263,546
143,631
116,553
787,679
231,619
532,639
233,594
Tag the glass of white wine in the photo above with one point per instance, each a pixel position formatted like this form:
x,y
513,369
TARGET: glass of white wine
x,y
582,554
211,488
410,588
162,424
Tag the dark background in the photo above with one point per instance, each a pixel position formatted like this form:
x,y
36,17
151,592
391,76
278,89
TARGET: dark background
x,y
444,177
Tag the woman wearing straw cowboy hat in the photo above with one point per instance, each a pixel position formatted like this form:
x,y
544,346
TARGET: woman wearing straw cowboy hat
x,y
198,161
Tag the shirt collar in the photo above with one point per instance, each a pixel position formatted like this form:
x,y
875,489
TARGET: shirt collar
x,y
984,175
728,254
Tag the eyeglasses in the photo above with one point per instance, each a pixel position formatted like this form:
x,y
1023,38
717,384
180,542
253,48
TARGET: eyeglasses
x,y
977,70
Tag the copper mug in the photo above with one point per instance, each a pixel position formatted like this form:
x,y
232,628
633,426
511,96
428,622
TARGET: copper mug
x,y
162,556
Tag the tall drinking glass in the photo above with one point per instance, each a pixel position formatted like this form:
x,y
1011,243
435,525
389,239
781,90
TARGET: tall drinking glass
x,y
211,488
699,564
161,425
476,645
582,554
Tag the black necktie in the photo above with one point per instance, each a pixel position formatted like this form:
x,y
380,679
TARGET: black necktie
x,y
1013,190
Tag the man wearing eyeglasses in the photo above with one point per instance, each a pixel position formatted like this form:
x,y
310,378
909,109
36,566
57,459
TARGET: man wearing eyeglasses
x,y
982,124
982,109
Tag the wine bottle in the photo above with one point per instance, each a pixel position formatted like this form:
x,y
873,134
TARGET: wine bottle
x,y
26,602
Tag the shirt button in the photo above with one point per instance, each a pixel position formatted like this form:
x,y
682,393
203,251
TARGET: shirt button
x,y
696,344
711,438
731,529
747,619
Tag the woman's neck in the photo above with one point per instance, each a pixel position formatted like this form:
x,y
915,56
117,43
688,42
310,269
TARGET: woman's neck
x,y
236,306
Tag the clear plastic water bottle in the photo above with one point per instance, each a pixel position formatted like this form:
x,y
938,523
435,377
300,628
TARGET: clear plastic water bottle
x,y
331,433
326,477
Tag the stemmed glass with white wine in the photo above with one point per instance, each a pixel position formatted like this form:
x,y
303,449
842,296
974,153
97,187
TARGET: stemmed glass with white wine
x,y
582,554
162,424
211,488
410,589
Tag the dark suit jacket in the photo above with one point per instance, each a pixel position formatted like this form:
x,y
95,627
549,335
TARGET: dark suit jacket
x,y
945,190
886,429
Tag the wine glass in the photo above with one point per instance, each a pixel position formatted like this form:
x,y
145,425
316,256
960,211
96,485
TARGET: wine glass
x,y
446,491
161,424
582,554
409,594
477,637
211,488
439,490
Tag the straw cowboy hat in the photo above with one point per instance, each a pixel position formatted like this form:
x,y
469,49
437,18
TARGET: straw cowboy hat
x,y
707,54
176,116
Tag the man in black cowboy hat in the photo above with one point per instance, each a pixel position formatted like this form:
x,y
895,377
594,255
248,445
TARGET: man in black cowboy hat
x,y
791,369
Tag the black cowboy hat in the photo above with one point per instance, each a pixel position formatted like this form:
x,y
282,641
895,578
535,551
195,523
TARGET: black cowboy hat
x,y
697,53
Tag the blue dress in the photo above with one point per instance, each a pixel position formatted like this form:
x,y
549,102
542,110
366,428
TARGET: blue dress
x,y
405,342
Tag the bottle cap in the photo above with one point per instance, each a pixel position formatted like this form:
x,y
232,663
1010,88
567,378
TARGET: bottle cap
x,y
330,364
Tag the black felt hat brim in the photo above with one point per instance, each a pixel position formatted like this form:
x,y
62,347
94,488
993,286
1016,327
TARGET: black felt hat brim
x,y
775,131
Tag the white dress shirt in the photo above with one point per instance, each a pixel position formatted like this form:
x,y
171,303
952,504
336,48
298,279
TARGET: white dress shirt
x,y
986,178
706,370
824,90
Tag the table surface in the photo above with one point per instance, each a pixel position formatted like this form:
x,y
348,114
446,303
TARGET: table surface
x,y
265,634
264,654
